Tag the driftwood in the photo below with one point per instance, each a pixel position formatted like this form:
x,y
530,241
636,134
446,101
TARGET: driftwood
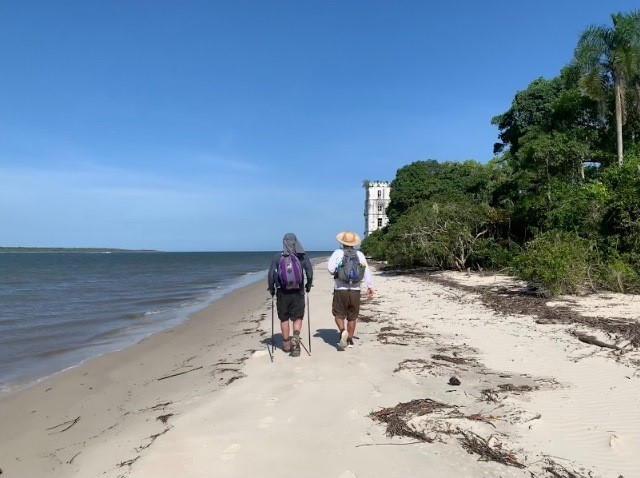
x,y
70,423
180,373
589,339
73,458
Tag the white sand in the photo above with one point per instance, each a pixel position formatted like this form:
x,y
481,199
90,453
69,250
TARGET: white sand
x,y
309,416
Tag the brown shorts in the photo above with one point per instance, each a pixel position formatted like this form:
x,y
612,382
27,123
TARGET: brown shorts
x,y
346,304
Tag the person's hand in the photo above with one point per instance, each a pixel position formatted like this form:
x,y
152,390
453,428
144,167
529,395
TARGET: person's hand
x,y
370,292
272,291
308,287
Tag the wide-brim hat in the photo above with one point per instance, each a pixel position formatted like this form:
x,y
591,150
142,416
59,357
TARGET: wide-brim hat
x,y
348,238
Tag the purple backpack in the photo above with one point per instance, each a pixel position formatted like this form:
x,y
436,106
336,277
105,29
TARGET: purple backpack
x,y
290,272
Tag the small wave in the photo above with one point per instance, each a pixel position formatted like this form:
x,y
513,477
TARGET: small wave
x,y
59,351
164,300
134,316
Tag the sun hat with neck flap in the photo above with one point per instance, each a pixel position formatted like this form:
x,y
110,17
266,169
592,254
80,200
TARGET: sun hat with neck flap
x,y
348,238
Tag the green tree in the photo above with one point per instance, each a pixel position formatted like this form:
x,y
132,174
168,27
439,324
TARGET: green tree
x,y
448,181
609,58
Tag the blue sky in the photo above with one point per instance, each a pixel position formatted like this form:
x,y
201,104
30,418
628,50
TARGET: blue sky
x,y
222,125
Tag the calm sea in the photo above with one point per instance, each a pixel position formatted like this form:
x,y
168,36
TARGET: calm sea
x,y
59,309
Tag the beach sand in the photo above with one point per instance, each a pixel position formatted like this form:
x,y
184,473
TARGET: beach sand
x,y
536,397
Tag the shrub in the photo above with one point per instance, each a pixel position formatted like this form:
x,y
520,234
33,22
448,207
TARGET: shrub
x,y
619,273
556,261
443,235
374,245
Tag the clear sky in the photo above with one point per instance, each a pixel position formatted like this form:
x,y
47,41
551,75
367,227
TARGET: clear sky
x,y
222,125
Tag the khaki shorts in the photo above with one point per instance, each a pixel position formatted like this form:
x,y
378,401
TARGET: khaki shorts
x,y
346,304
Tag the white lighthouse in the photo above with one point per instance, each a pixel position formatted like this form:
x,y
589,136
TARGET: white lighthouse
x,y
375,205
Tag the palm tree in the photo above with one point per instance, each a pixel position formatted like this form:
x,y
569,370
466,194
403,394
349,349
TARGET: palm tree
x,y
610,57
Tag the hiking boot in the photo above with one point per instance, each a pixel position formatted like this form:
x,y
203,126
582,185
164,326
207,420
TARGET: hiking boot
x,y
295,351
349,343
286,345
344,335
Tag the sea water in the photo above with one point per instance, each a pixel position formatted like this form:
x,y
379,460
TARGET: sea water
x,y
59,309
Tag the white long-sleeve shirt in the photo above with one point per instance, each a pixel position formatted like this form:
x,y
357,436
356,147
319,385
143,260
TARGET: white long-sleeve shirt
x,y
336,258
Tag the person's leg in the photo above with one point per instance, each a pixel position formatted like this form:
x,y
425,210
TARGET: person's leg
x,y
352,316
351,328
339,310
286,339
295,341
282,304
297,311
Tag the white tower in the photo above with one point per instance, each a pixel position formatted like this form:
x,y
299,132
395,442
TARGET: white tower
x,y
375,205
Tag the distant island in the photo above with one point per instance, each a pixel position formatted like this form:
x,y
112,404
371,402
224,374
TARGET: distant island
x,y
76,250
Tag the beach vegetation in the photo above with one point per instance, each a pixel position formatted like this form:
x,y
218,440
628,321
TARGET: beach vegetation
x,y
556,205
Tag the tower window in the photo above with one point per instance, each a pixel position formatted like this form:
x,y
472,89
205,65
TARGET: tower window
x,y
379,193
379,207
379,222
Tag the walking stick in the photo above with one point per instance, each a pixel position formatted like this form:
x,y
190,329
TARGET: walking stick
x,y
273,345
309,322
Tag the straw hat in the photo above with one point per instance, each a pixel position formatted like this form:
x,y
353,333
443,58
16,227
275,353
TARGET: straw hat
x,y
348,238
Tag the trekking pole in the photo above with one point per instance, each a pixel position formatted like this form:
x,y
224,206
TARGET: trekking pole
x,y
309,322
273,345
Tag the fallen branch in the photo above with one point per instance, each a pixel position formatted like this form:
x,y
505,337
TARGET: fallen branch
x,y
588,339
390,444
180,373
479,418
73,458
128,462
69,422
476,444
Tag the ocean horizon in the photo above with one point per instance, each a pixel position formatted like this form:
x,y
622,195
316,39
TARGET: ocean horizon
x,y
58,309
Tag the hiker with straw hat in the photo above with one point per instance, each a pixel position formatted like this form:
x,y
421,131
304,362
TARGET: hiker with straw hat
x,y
349,269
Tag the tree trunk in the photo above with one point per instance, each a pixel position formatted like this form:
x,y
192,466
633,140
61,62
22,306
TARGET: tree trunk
x,y
618,95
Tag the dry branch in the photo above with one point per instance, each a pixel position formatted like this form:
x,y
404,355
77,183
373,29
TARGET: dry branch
x,y
180,373
70,423
589,339
476,444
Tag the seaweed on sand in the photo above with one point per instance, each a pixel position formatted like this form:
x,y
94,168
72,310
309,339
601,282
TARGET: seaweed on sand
x,y
396,417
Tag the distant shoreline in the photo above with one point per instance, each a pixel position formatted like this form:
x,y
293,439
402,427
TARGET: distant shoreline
x,y
76,250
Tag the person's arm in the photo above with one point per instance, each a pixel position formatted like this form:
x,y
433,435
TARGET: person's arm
x,y
334,260
368,277
271,276
308,269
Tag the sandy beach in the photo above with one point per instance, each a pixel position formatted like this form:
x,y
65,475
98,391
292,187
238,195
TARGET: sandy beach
x,y
546,388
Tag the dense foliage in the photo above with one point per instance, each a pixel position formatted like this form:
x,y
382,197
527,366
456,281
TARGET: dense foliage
x,y
559,205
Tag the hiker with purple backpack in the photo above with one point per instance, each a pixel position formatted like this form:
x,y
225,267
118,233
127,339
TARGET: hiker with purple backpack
x,y
287,282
